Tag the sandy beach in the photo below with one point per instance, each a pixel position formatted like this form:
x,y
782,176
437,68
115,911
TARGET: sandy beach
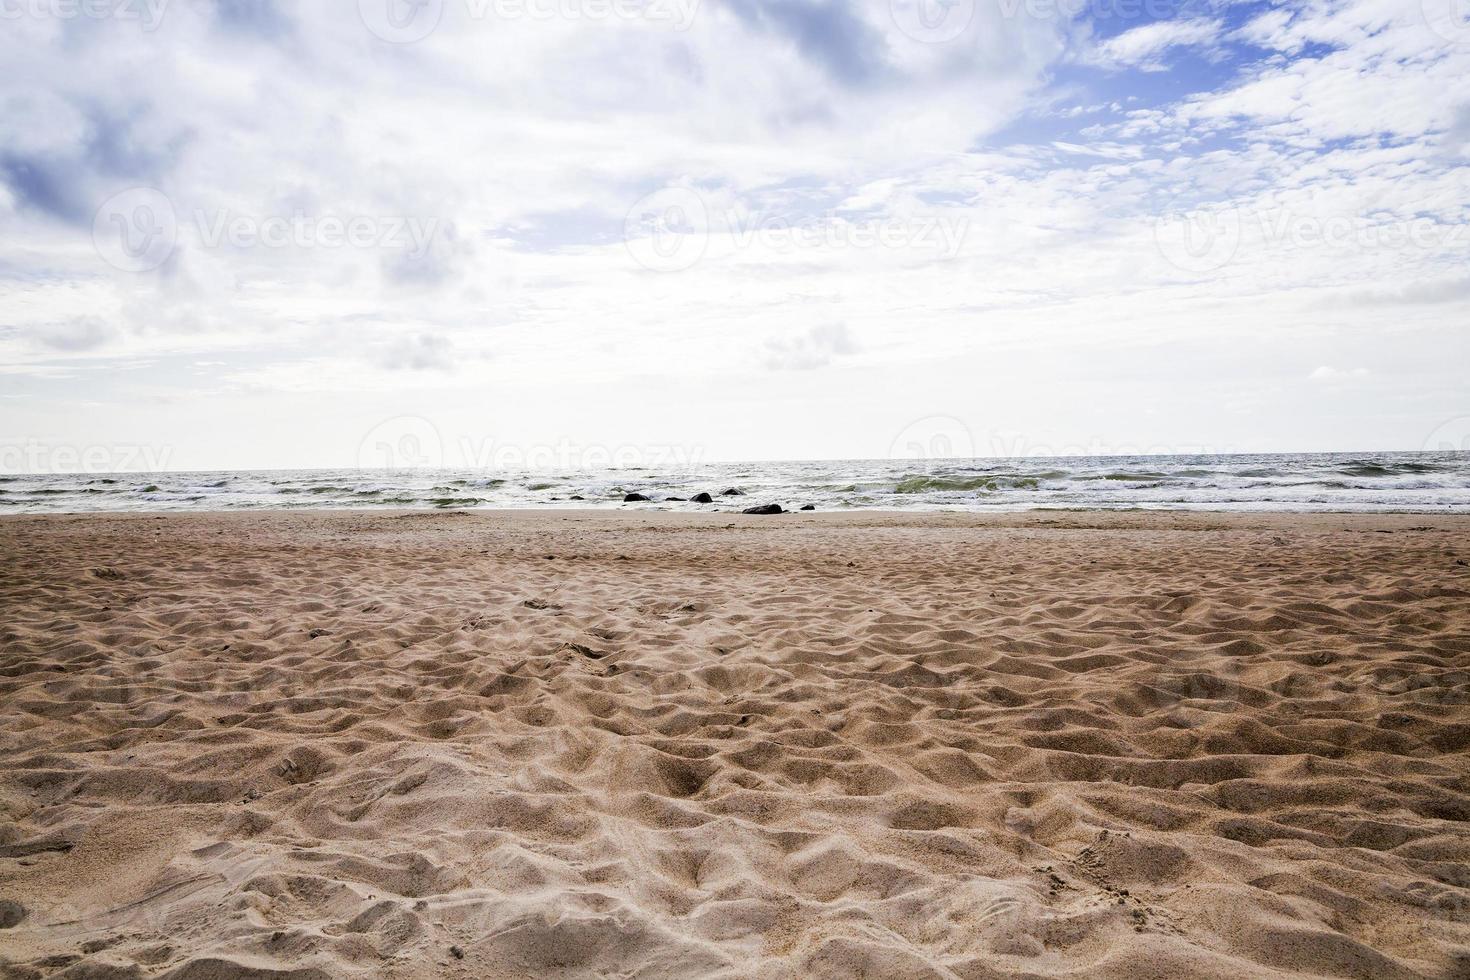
x,y
571,744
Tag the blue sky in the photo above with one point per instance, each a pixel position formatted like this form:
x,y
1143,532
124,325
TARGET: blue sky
x,y
246,233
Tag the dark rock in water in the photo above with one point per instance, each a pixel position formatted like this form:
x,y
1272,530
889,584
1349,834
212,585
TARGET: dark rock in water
x,y
732,492
629,498
808,506
576,496
764,509
669,500
702,498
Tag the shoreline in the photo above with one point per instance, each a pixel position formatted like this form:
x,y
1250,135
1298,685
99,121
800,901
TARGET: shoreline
x,y
1404,482
856,514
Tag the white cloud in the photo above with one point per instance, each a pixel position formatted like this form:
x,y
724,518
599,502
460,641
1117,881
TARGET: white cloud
x,y
1332,374
1145,47
1114,151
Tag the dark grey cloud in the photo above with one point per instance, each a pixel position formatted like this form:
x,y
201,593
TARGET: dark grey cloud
x,y
1415,294
261,18
424,352
40,183
818,347
117,149
78,334
429,253
826,33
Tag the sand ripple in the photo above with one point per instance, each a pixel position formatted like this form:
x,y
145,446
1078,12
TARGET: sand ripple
x,y
590,745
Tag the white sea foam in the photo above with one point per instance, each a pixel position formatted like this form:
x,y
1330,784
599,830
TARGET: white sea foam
x,y
1332,482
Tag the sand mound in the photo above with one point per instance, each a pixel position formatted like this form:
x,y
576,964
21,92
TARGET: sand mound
x,y
289,746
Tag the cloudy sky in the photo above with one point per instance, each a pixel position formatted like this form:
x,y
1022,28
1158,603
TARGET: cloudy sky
x,y
251,233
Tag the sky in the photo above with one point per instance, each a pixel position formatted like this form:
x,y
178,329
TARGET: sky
x,y
257,234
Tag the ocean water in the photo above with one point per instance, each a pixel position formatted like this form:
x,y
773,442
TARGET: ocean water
x,y
1429,481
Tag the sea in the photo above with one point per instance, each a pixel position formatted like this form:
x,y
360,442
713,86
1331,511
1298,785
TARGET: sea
x,y
1430,482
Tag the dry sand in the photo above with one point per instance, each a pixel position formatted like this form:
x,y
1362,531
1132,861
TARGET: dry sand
x,y
586,744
